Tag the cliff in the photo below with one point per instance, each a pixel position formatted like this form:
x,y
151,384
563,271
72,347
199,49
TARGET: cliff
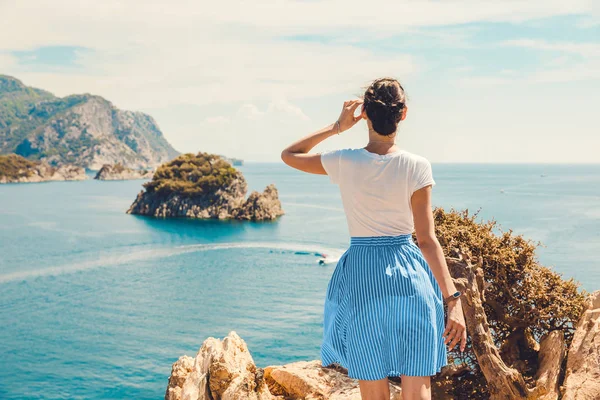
x,y
16,169
532,335
84,130
225,370
204,186
117,172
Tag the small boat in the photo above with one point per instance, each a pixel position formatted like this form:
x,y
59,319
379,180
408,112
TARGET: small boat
x,y
323,259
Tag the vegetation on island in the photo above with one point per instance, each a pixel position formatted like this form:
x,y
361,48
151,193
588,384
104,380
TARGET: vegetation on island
x,y
523,300
118,168
119,171
13,167
204,186
191,175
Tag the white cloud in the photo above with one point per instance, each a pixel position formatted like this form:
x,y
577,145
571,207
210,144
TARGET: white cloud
x,y
574,73
583,49
218,120
483,81
282,107
250,111
7,62
75,22
563,68
236,58
266,131
152,53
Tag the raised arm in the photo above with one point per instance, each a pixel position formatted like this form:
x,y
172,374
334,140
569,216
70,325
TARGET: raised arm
x,y
434,255
296,155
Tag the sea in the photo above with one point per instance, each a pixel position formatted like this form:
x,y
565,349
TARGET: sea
x,y
98,304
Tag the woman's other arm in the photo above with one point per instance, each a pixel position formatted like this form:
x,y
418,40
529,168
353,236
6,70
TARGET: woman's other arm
x,y
428,242
296,155
434,255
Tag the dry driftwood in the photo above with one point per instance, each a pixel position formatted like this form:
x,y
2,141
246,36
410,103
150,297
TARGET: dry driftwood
x,y
504,382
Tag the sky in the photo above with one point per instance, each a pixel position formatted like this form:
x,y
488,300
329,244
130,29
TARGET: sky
x,y
487,81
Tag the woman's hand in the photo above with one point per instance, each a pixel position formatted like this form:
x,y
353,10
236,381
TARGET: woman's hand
x,y
347,119
455,326
297,154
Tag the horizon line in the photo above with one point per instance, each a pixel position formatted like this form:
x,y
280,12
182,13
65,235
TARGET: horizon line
x,y
469,162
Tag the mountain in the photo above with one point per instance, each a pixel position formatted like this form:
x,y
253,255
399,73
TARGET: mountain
x,y
84,130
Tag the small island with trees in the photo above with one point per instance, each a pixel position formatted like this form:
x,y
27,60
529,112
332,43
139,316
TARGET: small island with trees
x,y
17,169
204,186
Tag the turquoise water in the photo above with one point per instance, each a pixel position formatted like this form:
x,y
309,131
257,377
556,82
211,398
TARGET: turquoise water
x,y
97,304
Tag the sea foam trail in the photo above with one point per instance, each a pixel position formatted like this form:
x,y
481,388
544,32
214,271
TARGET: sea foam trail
x,y
133,255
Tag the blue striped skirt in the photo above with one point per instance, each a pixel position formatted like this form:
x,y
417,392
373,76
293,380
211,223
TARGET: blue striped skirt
x,y
384,312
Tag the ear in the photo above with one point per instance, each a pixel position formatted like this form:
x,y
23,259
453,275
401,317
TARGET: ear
x,y
363,112
404,111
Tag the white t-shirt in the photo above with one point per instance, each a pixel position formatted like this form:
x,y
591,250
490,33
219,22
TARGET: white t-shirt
x,y
376,189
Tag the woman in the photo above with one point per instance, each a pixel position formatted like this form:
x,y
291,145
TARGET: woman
x,y
384,313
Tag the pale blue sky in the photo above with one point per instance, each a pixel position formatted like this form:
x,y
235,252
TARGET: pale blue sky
x,y
494,81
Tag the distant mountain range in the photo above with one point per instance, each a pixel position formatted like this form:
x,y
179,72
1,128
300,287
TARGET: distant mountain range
x,y
84,130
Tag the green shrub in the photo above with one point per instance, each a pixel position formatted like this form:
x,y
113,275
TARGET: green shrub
x,y
191,175
13,166
523,299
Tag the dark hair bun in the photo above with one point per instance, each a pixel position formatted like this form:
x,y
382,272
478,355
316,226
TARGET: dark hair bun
x,y
384,101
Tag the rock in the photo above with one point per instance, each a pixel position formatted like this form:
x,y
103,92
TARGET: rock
x,y
16,169
179,373
204,186
222,370
260,206
225,370
310,380
116,172
582,377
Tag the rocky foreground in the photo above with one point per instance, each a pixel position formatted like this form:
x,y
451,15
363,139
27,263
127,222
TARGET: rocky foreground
x,y
16,169
225,370
118,172
204,186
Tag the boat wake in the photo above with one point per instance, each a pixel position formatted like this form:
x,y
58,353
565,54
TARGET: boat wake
x,y
129,255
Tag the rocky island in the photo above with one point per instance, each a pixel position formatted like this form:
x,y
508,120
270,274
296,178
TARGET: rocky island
x,y
117,172
204,186
532,335
16,169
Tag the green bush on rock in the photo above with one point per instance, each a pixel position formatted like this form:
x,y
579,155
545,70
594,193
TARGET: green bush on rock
x,y
204,186
524,301
13,166
191,175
